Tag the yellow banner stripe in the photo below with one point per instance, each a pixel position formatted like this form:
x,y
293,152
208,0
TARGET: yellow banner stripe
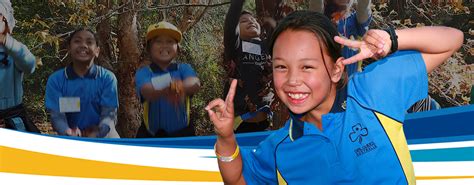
x,y
442,177
14,160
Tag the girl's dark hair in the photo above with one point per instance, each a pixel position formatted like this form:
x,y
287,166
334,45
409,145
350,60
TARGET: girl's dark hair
x,y
322,28
246,12
96,38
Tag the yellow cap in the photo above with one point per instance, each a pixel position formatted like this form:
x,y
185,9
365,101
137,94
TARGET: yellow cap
x,y
163,28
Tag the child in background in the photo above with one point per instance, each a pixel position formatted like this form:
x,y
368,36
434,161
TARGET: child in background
x,y
363,145
82,97
247,60
350,24
15,61
165,86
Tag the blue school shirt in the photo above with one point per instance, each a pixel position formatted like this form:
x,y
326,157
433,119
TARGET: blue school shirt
x,y
19,61
97,88
350,27
162,113
363,145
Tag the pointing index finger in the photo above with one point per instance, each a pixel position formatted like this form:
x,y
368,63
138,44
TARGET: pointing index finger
x,y
347,42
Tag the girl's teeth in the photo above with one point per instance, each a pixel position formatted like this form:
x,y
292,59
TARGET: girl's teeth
x,y
297,96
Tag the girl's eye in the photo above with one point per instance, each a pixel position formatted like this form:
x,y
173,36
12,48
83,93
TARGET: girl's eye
x,y
306,68
279,67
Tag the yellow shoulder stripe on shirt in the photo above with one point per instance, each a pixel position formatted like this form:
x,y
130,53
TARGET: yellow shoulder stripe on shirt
x,y
281,180
394,131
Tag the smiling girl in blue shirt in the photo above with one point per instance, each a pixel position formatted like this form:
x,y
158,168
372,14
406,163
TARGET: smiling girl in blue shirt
x,y
363,145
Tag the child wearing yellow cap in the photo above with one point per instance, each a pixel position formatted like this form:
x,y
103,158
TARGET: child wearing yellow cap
x,y
165,86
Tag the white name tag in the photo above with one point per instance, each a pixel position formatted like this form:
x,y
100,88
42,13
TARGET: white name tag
x,y
249,47
69,104
161,82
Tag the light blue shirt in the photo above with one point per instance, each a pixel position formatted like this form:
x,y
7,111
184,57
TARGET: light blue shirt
x,y
20,60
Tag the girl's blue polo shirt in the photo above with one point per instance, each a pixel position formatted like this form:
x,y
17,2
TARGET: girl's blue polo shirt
x,y
96,89
162,113
363,145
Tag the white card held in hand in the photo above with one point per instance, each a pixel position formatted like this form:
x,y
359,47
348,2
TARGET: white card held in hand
x,y
161,82
69,104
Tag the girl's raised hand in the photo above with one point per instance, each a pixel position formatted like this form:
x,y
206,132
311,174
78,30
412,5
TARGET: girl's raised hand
x,y
221,113
375,44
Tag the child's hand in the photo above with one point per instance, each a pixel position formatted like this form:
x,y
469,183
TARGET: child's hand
x,y
375,44
73,132
222,113
3,27
177,87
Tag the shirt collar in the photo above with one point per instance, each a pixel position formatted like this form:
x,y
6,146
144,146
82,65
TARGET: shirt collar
x,y
340,101
156,69
297,127
71,74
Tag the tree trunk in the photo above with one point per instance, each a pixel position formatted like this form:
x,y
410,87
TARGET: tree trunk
x,y
103,32
268,8
272,8
129,55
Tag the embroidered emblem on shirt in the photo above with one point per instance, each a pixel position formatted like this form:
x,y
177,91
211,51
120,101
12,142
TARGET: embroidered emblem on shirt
x,y
344,105
358,132
365,149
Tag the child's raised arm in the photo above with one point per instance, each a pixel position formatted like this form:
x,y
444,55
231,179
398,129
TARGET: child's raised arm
x,y
317,5
221,114
363,10
436,44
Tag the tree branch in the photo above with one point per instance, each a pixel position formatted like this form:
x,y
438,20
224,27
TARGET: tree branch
x,y
441,93
199,17
422,13
184,5
58,35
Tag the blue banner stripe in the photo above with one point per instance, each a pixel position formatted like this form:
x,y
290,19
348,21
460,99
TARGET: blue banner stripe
x,y
448,122
443,155
441,139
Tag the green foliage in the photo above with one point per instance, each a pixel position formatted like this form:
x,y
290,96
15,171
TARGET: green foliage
x,y
250,6
203,48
